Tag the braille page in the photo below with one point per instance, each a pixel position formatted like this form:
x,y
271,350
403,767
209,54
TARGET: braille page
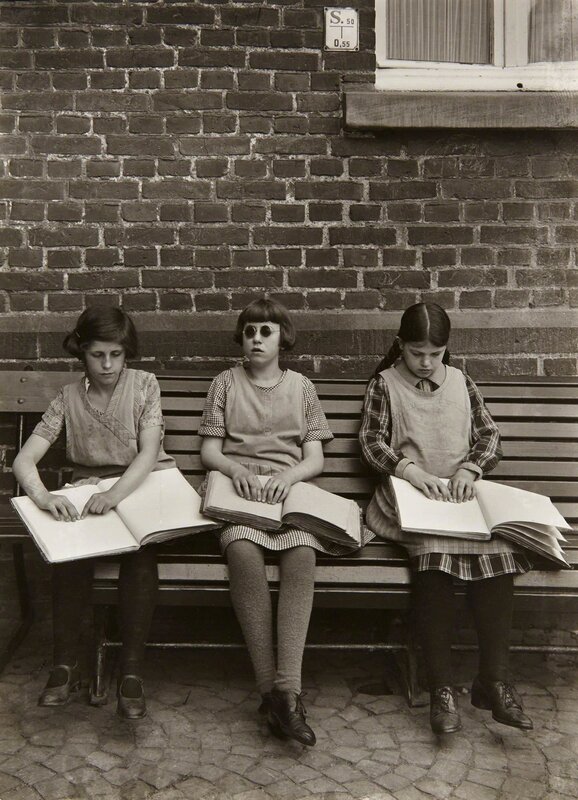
x,y
419,514
67,541
164,501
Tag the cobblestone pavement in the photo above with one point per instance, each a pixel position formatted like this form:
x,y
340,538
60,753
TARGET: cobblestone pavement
x,y
203,739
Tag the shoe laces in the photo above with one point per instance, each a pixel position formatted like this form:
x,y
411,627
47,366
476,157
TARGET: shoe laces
x,y
510,697
299,706
445,698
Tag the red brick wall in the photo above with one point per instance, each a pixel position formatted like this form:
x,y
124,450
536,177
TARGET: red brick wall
x,y
179,157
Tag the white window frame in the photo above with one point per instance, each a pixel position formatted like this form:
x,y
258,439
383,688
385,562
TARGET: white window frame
x,y
509,72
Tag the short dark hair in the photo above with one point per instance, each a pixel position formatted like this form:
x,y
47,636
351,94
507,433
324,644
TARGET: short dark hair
x,y
267,310
102,324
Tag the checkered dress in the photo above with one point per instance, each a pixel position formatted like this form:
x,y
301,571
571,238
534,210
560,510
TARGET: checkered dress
x,y
317,429
484,454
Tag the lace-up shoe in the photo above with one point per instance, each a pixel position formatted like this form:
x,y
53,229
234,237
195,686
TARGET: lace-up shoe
x,y
443,716
503,701
287,715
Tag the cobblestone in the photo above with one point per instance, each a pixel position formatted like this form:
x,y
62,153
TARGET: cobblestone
x,y
487,777
203,738
438,789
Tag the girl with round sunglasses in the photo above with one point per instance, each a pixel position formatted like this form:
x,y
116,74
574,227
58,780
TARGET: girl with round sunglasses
x,y
260,419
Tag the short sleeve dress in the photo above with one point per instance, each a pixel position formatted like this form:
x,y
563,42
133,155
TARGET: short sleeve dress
x,y
264,428
104,443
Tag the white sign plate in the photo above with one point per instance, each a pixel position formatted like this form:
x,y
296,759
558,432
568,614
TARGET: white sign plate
x,y
341,29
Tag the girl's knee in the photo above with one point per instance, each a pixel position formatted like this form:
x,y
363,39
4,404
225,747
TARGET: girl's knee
x,y
246,551
302,553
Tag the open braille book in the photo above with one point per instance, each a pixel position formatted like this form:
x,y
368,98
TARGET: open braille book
x,y
163,507
306,506
530,520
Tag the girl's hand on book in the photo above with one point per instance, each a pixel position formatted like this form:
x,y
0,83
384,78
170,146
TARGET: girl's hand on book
x,y
462,486
432,486
247,484
60,507
99,503
276,490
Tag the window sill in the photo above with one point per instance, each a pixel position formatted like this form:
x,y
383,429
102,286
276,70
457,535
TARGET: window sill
x,y
369,108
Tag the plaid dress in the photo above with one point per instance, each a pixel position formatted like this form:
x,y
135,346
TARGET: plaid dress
x,y
464,559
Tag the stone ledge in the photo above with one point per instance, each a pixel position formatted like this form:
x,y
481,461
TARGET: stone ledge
x,y
313,321
329,342
374,109
489,342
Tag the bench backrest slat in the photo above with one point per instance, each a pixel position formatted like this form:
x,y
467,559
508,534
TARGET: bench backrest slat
x,y
534,430
187,442
506,470
191,403
29,391
349,426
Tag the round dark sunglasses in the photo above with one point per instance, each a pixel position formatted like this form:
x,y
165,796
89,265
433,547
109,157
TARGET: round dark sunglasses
x,y
250,331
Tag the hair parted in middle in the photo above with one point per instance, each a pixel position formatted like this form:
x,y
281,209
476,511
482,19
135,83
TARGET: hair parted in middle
x,y
422,322
267,310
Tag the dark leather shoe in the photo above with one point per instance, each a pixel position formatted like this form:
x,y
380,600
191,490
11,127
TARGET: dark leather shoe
x,y
287,715
503,701
131,700
443,711
264,709
62,681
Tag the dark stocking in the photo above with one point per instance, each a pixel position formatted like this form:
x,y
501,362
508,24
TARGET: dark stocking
x,y
492,602
434,605
138,584
71,587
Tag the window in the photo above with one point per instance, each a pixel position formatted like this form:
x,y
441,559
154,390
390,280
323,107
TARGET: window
x,y
469,45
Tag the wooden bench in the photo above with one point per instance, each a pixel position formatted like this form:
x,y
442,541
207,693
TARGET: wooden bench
x,y
538,419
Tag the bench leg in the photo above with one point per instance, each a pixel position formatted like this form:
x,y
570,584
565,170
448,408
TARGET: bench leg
x,y
408,664
26,610
100,681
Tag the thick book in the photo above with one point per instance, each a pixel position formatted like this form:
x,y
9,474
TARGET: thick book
x,y
306,506
530,520
163,507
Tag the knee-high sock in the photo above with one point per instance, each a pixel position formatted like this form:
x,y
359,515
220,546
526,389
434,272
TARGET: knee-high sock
x,y
71,587
251,600
297,567
138,585
492,601
434,605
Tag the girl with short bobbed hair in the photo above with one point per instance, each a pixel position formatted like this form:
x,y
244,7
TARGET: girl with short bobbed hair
x,y
262,419
113,423
267,310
